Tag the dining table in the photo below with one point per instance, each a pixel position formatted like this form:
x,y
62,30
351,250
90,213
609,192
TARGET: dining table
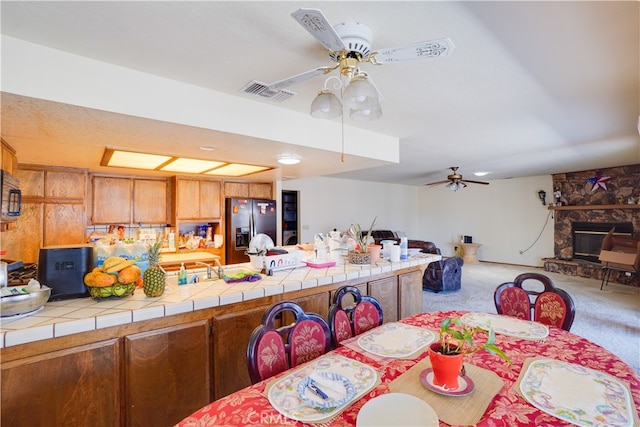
x,y
495,394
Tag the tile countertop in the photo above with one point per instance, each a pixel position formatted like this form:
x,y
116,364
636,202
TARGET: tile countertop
x,y
61,318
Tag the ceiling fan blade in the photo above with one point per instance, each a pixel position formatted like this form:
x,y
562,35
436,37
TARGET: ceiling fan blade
x,y
476,182
301,77
421,50
314,21
438,182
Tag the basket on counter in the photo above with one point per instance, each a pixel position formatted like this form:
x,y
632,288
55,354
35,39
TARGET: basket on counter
x,y
118,290
360,258
277,262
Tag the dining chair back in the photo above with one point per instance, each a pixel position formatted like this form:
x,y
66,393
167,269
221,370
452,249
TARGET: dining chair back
x,y
363,314
549,305
275,348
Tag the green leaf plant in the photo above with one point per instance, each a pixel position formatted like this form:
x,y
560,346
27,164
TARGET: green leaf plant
x,y
362,241
458,338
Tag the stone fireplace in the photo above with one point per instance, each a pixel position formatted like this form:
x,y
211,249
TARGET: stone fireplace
x,y
588,237
586,213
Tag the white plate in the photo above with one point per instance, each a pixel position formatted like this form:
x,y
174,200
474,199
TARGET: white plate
x,y
397,409
507,325
395,339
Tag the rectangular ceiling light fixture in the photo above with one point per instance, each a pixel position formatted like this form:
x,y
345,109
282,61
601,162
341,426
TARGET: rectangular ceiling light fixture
x,y
237,169
181,164
130,159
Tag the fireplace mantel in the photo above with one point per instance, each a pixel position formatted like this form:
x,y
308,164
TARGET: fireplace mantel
x,y
593,207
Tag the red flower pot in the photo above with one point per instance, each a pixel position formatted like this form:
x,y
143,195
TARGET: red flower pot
x,y
446,368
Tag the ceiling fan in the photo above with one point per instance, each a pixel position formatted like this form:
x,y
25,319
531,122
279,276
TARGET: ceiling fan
x,y
349,44
455,181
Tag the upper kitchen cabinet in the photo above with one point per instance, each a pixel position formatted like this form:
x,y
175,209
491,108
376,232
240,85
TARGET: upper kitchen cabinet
x,y
111,201
253,190
197,199
124,200
9,158
150,201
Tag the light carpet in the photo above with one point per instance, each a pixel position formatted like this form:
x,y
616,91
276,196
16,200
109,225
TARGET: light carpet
x,y
608,317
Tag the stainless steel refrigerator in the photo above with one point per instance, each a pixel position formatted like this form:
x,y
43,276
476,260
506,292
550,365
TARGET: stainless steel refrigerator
x,y
244,218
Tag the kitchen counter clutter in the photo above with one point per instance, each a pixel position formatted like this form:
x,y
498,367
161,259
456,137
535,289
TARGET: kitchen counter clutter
x,y
67,317
137,360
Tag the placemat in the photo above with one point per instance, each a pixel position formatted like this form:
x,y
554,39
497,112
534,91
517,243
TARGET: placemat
x,y
352,343
309,367
462,410
525,367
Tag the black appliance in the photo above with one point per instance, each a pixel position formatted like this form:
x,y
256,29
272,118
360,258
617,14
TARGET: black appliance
x,y
10,197
244,219
63,267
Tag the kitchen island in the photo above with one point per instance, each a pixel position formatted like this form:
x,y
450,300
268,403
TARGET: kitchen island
x,y
152,361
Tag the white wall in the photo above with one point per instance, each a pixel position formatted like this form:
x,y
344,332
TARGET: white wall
x,y
506,217
328,203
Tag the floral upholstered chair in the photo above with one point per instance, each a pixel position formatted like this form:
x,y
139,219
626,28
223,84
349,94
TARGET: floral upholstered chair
x,y
273,349
551,306
346,322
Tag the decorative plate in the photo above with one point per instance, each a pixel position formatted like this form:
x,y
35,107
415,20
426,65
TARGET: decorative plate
x,y
395,339
284,397
465,384
507,325
576,394
337,388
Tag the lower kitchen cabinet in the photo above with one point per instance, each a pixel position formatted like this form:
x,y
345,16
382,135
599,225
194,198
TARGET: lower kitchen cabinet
x,y
77,386
409,294
167,374
231,334
386,292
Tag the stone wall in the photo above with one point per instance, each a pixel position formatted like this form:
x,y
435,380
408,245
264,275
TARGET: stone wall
x,y
623,183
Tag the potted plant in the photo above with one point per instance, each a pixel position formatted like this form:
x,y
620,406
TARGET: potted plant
x,y
360,254
456,341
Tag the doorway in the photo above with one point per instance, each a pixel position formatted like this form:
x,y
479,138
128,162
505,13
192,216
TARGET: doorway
x,y
289,218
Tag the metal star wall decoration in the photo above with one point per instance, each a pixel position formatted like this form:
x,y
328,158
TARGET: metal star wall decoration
x,y
598,181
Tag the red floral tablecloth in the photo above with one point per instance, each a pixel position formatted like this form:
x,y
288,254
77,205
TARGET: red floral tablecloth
x,y
250,406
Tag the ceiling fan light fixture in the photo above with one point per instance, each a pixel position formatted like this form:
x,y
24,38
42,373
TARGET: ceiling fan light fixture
x,y
359,91
455,186
326,105
289,159
366,111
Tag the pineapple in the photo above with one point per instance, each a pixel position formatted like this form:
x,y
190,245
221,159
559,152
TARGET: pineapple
x,y
153,281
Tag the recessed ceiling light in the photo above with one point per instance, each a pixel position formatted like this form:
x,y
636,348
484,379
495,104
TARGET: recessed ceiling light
x,y
289,159
207,148
480,173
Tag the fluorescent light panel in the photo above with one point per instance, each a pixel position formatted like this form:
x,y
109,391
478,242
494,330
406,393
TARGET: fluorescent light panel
x,y
131,159
190,165
237,169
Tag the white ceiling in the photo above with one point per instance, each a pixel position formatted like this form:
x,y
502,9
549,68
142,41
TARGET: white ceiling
x,y
531,88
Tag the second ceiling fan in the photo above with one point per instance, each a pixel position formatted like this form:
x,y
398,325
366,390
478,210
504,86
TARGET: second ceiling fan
x,y
455,181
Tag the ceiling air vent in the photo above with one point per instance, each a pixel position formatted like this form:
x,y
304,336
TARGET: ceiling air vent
x,y
262,90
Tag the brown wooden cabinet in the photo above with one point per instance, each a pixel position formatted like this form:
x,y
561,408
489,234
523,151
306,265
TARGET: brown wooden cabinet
x,y
167,374
126,200
9,158
386,292
78,386
409,294
197,199
111,201
150,201
253,190
53,211
231,334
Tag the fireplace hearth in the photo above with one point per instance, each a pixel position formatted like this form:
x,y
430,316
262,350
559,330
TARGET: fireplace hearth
x,y
588,236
